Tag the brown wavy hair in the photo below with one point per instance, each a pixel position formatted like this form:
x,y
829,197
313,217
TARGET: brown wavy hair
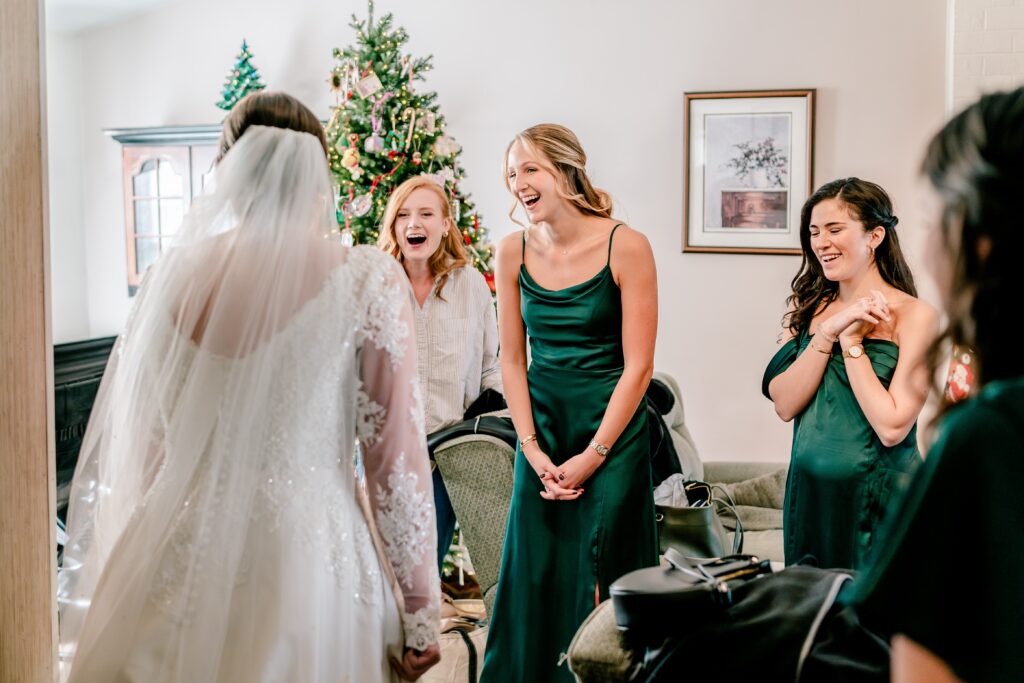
x,y
273,108
974,163
561,149
450,254
869,204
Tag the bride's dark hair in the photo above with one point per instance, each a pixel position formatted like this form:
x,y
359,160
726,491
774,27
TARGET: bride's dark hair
x,y
276,109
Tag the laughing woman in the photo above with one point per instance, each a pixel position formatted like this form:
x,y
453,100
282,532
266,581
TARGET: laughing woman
x,y
850,372
584,288
456,329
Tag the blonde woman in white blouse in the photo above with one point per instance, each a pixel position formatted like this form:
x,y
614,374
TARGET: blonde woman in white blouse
x,y
456,326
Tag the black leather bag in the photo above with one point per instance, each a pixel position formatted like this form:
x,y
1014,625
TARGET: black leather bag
x,y
696,530
786,626
650,599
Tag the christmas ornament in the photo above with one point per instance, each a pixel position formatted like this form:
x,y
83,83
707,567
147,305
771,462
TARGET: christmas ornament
x,y
395,141
368,85
456,210
428,122
362,204
350,161
407,71
409,113
374,142
442,177
337,82
417,158
445,146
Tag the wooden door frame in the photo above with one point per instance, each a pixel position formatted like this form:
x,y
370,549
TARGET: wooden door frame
x,y
28,624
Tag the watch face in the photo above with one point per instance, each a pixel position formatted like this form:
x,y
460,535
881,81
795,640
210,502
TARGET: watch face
x,y
856,351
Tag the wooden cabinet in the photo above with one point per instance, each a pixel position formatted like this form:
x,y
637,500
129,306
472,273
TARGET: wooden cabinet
x,y
162,170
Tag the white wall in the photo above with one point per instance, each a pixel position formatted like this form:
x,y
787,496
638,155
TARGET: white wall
x,y
69,305
988,48
613,71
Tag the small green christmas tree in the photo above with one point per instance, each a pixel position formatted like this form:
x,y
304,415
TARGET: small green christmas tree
x,y
242,80
383,130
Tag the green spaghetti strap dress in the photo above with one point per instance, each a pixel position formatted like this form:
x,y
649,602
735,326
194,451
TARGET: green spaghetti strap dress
x,y
555,552
841,477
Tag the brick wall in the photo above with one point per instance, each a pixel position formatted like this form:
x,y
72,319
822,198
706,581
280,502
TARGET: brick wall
x,y
988,48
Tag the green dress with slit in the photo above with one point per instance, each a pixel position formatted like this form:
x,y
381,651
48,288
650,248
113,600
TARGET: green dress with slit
x,y
841,477
555,552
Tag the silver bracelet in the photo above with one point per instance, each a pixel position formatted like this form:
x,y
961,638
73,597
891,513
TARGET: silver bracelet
x,y
600,449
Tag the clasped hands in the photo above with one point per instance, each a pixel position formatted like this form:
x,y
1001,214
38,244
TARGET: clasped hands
x,y
857,320
563,482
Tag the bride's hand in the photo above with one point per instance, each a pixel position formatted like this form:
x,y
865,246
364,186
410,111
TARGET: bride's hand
x,y
415,663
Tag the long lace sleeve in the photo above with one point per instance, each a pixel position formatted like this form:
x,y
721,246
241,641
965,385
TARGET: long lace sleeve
x,y
391,431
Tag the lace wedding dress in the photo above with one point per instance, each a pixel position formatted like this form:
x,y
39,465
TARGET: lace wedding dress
x,y
219,529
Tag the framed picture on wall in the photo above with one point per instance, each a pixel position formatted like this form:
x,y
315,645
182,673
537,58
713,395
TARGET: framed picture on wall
x,y
748,168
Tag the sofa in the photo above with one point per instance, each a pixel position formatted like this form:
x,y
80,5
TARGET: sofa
x,y
477,471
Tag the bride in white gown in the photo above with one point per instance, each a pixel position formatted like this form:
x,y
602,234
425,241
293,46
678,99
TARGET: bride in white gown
x,y
218,529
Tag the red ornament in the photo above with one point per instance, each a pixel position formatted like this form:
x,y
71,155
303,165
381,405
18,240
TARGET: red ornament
x,y
489,278
465,236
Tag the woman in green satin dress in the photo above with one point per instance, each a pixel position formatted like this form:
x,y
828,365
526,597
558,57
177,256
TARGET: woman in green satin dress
x,y
584,289
850,372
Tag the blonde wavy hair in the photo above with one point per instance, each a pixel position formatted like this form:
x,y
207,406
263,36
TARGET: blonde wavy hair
x,y
450,254
564,156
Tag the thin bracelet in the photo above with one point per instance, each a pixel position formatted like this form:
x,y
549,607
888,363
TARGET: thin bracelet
x,y
820,350
526,440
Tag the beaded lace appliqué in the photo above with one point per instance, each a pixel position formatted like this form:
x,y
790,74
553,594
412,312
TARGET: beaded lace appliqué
x,y
370,416
405,515
421,626
384,325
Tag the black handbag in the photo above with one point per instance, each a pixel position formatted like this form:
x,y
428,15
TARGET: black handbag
x,y
649,599
786,626
696,530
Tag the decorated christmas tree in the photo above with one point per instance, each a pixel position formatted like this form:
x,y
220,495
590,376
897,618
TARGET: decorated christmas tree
x,y
242,80
384,129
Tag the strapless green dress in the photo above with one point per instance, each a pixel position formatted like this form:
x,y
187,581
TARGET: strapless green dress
x,y
842,478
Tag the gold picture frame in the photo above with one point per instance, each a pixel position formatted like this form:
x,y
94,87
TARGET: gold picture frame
x,y
748,168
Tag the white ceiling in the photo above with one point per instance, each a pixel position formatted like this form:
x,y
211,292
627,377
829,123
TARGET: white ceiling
x,y
70,16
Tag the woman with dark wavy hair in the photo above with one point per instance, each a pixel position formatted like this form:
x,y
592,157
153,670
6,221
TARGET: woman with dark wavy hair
x,y
851,372
968,490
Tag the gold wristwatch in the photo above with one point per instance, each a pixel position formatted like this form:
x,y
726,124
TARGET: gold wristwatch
x,y
855,351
